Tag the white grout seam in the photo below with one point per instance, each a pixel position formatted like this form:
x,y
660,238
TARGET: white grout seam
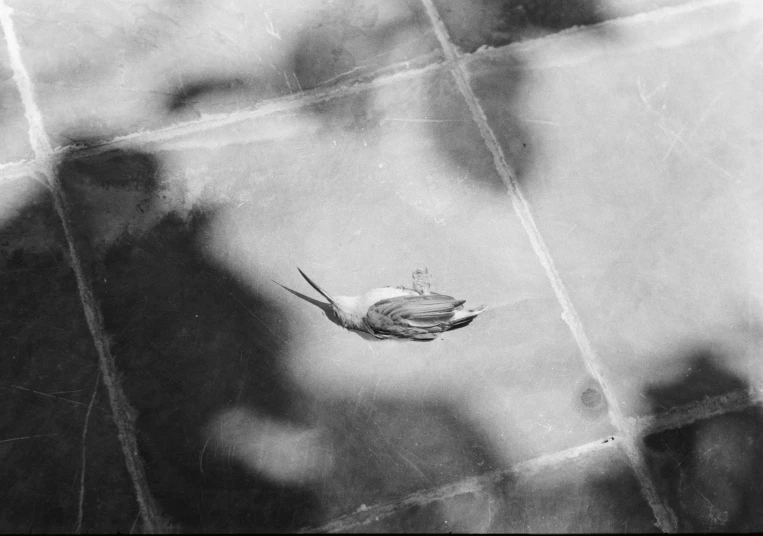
x,y
44,163
666,518
694,411
38,138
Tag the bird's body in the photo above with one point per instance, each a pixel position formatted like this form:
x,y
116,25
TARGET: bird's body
x,y
398,312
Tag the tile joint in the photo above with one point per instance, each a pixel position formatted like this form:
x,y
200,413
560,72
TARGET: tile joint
x,y
44,165
523,470
664,515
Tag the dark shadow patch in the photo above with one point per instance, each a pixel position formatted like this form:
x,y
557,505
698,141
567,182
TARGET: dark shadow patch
x,y
191,340
596,492
711,470
496,23
190,94
48,372
703,376
188,340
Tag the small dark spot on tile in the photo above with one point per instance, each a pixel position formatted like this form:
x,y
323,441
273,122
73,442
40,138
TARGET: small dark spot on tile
x,y
589,398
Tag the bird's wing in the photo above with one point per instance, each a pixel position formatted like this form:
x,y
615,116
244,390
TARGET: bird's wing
x,y
412,314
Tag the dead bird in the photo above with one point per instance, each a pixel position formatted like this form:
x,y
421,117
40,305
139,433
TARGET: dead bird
x,y
399,312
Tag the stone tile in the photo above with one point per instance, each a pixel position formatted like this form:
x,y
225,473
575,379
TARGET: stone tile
x,y
247,392
49,372
641,170
121,66
594,492
14,141
711,472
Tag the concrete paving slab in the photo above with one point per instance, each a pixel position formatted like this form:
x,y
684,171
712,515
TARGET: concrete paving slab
x,y
638,154
122,66
634,142
358,191
55,420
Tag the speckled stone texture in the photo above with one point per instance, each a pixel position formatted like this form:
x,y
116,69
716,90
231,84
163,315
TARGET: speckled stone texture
x,y
587,169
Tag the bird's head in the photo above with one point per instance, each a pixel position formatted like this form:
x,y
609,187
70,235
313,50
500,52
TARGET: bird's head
x,y
346,309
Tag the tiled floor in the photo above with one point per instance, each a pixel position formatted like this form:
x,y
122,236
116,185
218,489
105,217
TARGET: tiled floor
x,y
587,169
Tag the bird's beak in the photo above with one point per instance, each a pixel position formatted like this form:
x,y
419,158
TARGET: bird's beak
x,y
316,287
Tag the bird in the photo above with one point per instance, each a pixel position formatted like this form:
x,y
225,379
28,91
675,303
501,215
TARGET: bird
x,y
399,312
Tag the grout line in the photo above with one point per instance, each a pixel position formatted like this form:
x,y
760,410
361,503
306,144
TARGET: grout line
x,y
666,518
38,138
122,413
475,484
43,161
285,104
699,410
319,95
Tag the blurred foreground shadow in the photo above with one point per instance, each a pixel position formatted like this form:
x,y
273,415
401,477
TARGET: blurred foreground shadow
x,y
230,443
712,469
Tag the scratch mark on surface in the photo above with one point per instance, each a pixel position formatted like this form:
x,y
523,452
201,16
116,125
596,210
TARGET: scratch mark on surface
x,y
201,455
414,466
270,28
78,529
676,137
137,517
340,75
25,437
540,122
425,120
48,395
296,79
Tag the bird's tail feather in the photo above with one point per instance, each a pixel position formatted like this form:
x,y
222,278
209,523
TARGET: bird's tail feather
x,y
463,317
316,287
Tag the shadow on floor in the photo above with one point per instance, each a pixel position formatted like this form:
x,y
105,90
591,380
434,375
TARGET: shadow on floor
x,y
228,441
49,388
710,470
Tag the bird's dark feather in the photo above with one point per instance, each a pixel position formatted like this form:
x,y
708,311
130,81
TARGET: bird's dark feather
x,y
413,317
